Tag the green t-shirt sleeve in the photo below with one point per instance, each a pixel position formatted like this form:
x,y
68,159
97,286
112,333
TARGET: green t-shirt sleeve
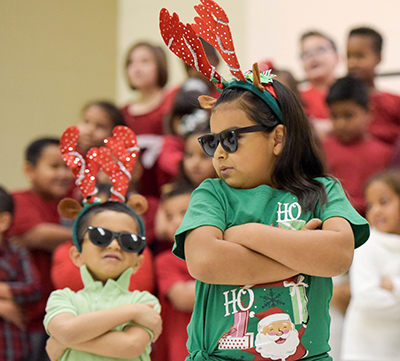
x,y
60,301
205,209
339,206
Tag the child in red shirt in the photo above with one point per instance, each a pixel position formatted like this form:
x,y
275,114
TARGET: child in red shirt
x,y
364,53
176,287
349,145
37,224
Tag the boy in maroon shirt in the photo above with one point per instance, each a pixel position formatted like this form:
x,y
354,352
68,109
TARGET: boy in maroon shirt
x,y
364,51
37,224
352,155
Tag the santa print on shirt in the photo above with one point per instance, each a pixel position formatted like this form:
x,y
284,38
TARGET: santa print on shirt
x,y
277,337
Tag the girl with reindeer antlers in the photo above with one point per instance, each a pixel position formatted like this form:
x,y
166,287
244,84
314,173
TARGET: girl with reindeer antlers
x,y
263,286
109,239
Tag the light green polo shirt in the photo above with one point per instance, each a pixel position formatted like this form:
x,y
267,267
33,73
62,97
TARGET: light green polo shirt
x,y
94,297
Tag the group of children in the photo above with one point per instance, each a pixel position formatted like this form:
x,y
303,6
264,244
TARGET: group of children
x,y
240,184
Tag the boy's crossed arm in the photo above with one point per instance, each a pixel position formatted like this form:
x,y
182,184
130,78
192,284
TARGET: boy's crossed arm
x,y
91,332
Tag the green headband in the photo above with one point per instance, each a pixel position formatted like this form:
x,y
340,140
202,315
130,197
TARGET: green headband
x,y
265,79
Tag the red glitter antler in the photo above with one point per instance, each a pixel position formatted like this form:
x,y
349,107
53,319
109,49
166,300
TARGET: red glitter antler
x,y
183,41
84,170
213,27
117,159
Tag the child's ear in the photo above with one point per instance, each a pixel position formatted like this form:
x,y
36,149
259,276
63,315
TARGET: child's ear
x,y
138,264
75,256
29,170
206,102
69,208
138,203
5,221
279,138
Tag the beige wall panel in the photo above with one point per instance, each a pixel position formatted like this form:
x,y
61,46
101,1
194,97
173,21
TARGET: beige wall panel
x,y
138,20
55,55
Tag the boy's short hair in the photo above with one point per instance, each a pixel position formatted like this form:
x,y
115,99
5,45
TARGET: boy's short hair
x,y
175,189
349,88
377,40
35,149
6,201
318,33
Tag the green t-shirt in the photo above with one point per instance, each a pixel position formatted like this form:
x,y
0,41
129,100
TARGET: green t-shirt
x,y
227,320
93,297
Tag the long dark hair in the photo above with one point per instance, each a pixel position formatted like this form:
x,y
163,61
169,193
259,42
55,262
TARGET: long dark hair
x,y
300,161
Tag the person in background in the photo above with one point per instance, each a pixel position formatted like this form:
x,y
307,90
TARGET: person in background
x,y
364,54
371,329
98,119
176,287
37,225
19,284
320,58
345,149
146,71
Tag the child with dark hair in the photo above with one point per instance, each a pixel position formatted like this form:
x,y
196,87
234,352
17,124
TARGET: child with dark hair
x,y
98,119
345,150
37,224
364,54
104,321
19,284
264,239
176,287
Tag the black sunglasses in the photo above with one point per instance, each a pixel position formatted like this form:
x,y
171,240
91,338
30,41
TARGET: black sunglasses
x,y
129,242
228,139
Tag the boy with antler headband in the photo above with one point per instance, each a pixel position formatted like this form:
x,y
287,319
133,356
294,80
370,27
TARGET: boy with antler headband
x,y
263,287
104,321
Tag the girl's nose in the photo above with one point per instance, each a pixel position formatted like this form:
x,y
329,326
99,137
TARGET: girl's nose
x,y
220,153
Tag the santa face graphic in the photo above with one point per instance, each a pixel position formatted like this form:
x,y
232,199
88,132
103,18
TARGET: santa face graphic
x,y
277,340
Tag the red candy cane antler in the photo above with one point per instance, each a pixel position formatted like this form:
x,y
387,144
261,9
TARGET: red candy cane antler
x,y
118,159
183,41
84,170
213,27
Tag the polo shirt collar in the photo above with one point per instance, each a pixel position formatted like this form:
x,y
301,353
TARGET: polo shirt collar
x,y
123,281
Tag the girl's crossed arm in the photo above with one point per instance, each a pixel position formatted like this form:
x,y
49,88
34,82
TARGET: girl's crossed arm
x,y
324,253
211,259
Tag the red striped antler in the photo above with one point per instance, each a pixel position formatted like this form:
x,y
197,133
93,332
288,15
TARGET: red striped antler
x,y
118,159
213,27
183,41
84,170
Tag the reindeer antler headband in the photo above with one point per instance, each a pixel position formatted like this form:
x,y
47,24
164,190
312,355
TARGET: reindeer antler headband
x,y
117,159
212,25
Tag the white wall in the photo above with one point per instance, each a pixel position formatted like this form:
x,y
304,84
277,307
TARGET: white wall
x,y
269,29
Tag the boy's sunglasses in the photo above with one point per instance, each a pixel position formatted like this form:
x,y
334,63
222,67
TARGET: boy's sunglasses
x,y
129,242
228,139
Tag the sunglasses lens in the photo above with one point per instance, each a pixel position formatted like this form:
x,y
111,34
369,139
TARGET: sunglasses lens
x,y
209,144
131,242
229,141
100,236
